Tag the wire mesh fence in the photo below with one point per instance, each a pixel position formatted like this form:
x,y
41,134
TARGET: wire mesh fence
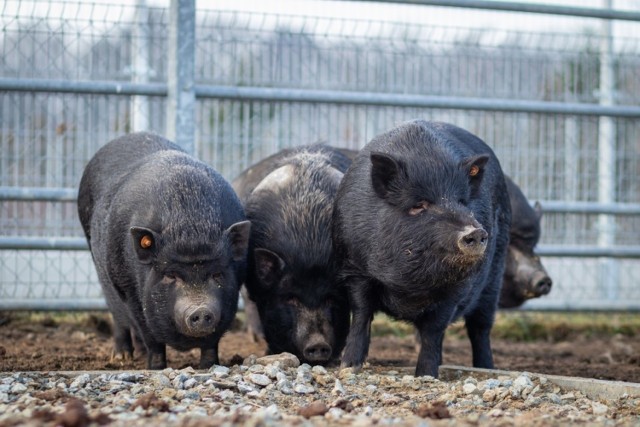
x,y
266,81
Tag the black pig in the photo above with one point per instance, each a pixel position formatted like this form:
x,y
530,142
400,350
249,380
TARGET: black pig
x,y
524,275
168,237
420,231
289,199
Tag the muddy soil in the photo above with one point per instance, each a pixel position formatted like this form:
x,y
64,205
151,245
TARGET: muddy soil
x,y
84,343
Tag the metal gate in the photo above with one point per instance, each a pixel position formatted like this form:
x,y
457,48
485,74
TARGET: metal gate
x,y
560,108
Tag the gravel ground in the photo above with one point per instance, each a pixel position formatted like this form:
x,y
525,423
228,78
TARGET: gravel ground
x,y
277,390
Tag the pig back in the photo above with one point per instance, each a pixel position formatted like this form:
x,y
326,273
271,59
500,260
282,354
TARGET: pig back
x,y
248,180
108,167
525,222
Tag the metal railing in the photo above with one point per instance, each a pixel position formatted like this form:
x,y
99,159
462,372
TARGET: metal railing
x,y
231,115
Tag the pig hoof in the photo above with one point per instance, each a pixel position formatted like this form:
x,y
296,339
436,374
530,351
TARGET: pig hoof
x,y
156,361
208,358
255,336
121,356
346,368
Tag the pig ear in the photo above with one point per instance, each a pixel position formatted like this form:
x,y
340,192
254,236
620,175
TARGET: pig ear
x,y
384,169
537,207
238,235
145,243
474,166
269,266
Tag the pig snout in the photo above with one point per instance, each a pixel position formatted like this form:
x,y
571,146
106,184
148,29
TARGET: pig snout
x,y
201,321
317,349
196,320
314,335
472,241
541,283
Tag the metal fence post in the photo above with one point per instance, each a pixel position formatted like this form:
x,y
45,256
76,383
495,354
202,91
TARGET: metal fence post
x,y
609,271
181,101
140,66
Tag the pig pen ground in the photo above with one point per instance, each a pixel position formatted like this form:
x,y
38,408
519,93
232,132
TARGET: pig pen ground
x,y
600,346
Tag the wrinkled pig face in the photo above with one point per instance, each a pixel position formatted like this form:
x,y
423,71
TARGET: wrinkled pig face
x,y
524,277
302,313
428,217
188,287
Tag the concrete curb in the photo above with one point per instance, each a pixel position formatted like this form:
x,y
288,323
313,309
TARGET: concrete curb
x,y
592,388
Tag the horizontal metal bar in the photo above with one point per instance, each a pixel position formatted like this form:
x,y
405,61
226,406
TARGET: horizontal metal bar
x,y
543,304
79,244
549,206
549,304
588,251
41,194
43,243
83,87
76,304
246,93
505,6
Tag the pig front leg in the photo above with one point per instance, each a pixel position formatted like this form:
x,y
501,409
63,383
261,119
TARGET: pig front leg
x,y
254,325
480,320
431,333
208,357
156,355
479,324
359,337
123,345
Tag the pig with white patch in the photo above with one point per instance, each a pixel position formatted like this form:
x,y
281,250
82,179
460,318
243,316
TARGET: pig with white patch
x,y
288,198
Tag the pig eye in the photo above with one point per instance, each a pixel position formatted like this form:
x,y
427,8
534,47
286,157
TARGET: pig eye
x,y
418,208
146,241
217,277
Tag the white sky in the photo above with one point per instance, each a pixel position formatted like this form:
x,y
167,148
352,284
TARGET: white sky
x,y
457,17
425,15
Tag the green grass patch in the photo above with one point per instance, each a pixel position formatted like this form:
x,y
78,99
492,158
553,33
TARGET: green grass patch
x,y
92,320
383,325
525,326
521,326
559,326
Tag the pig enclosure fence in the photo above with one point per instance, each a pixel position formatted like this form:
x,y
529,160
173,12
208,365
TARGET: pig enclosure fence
x,y
560,108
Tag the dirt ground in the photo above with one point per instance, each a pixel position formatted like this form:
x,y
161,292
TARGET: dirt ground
x,y
43,342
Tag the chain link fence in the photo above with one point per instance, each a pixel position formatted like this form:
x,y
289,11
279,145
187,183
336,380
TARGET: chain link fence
x,y
560,108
